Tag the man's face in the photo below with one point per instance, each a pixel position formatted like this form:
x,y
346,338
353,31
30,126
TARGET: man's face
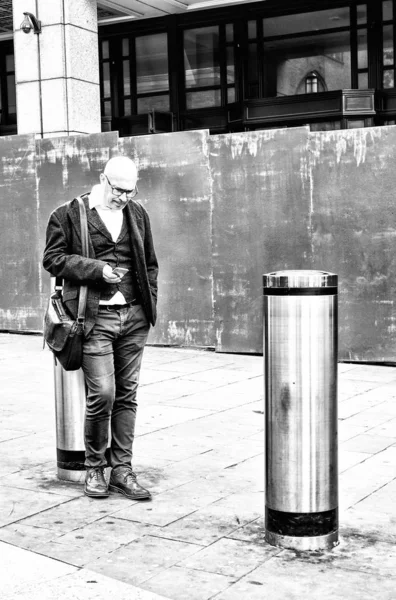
x,y
118,189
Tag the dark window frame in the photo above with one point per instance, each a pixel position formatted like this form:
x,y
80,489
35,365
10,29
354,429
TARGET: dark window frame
x,y
6,118
104,99
133,72
385,23
223,86
115,40
353,29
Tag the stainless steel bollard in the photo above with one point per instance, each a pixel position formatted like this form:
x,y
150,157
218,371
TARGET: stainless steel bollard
x,y
70,413
300,374
70,398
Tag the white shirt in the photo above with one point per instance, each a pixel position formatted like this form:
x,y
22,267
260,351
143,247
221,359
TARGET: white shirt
x,y
113,221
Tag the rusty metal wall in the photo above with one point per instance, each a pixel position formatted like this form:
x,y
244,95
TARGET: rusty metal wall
x,y
260,224
288,199
352,181
175,188
19,237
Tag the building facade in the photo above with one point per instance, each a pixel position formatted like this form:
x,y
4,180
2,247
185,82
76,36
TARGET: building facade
x,y
182,65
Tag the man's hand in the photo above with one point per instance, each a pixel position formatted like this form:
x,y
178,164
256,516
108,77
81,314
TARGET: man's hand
x,y
109,276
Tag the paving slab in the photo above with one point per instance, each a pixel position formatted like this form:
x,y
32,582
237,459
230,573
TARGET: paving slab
x,y
347,366
157,416
174,504
20,567
380,502
43,478
356,404
188,584
387,429
251,532
214,521
369,444
232,557
11,434
75,585
26,536
16,503
218,376
372,373
356,552
246,475
132,565
173,446
347,431
367,520
371,417
364,479
295,578
169,390
223,397
90,542
213,462
348,459
75,513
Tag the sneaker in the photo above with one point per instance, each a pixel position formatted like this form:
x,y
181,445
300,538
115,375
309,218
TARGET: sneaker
x,y
123,481
95,483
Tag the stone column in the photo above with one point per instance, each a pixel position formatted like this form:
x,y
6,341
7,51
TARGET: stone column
x,y
57,71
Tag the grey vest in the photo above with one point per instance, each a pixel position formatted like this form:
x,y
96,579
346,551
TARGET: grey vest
x,y
116,254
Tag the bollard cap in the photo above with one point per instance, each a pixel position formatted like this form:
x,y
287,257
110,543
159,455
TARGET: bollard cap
x,y
300,279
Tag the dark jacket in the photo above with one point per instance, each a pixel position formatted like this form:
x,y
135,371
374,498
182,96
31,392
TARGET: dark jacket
x,y
62,258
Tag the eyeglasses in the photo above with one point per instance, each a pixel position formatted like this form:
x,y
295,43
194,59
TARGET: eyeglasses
x,y
116,191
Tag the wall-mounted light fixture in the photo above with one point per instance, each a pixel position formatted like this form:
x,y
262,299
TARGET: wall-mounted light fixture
x,y
30,22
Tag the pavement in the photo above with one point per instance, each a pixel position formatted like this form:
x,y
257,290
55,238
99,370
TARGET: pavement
x,y
199,449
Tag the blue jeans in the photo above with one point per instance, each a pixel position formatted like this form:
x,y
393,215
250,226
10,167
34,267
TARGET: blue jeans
x,y
111,363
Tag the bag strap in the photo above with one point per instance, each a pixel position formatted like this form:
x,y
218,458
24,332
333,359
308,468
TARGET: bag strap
x,y
82,299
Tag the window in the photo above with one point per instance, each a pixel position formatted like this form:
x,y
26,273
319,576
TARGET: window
x,y
134,74
252,75
362,51
209,66
7,85
316,42
388,45
152,79
105,79
202,67
11,92
230,63
314,83
311,83
145,78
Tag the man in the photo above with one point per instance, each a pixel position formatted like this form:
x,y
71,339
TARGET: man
x,y
121,275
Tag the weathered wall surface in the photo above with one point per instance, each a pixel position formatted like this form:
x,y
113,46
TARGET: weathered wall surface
x,y
19,238
352,182
260,224
224,210
175,187
289,199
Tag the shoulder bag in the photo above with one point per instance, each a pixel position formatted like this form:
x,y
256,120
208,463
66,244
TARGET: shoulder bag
x,y
63,334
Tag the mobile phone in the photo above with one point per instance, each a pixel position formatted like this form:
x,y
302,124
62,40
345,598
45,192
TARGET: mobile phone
x,y
120,271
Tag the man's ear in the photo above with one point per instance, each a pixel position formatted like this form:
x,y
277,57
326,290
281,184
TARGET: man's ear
x,y
102,178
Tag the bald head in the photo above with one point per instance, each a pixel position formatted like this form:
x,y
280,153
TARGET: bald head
x,y
121,166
